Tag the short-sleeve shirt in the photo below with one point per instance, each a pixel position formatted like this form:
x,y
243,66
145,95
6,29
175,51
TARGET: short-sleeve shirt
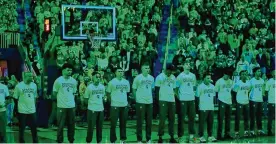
x,y
26,95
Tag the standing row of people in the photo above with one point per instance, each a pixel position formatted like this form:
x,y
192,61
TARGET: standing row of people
x,y
184,88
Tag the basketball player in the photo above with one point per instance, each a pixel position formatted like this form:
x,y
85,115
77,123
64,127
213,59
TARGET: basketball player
x,y
185,90
26,93
270,88
63,90
4,94
117,90
206,93
242,88
165,85
256,101
143,85
94,95
223,87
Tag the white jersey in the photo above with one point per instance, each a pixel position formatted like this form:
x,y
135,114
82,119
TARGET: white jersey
x,y
143,86
95,95
186,84
26,95
65,89
118,90
206,96
224,88
4,92
242,90
167,86
270,87
256,93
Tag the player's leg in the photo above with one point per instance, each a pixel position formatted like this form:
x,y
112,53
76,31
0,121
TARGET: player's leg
x,y
123,115
181,116
22,125
71,124
99,126
239,109
114,115
259,113
163,111
91,121
148,114
202,119
171,116
191,114
271,114
3,124
246,119
210,121
221,113
228,113
31,118
61,119
140,116
252,106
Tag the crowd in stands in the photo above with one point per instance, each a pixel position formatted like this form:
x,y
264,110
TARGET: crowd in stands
x,y
137,25
8,16
219,34
215,34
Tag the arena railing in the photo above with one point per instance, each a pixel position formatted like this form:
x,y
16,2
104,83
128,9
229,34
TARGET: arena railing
x,y
9,39
168,38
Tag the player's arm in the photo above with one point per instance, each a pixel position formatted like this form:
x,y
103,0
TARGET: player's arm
x,y
134,87
263,89
178,83
153,85
157,85
56,88
86,96
267,87
8,97
109,90
217,86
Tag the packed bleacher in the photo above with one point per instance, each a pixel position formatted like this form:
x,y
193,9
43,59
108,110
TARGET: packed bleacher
x,y
215,35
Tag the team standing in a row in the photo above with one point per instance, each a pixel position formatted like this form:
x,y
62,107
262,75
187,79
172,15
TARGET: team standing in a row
x,y
249,97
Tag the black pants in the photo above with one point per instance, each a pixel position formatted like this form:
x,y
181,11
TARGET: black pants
x,y
256,109
224,114
166,108
30,120
189,108
94,118
3,123
271,116
53,115
143,111
66,115
203,116
197,105
242,109
115,113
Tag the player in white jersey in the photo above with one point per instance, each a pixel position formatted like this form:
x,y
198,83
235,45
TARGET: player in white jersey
x,y
185,90
117,90
165,85
256,101
26,94
94,95
206,93
223,87
4,95
143,86
242,88
270,92
64,90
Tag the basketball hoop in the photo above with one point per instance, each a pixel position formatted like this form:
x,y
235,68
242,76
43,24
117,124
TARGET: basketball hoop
x,y
94,39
